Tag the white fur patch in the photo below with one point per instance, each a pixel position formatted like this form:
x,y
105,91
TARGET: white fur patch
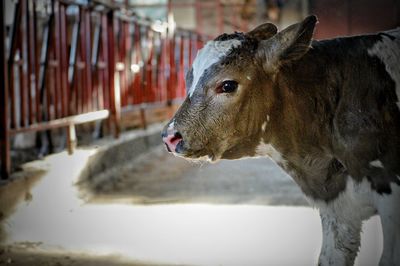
x,y
357,196
211,53
388,206
388,51
376,163
264,126
264,149
172,124
170,128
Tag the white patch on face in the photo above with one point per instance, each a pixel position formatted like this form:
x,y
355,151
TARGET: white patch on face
x,y
264,149
172,124
211,53
267,118
264,126
376,163
248,77
388,51
170,128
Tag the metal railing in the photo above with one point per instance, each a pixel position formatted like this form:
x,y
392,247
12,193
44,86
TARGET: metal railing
x,y
72,62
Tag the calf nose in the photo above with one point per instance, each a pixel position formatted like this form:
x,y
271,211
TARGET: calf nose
x,y
172,141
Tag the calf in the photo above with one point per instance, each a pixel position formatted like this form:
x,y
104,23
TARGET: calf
x,y
327,112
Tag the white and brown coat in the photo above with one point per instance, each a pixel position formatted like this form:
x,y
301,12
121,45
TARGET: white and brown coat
x,y
326,111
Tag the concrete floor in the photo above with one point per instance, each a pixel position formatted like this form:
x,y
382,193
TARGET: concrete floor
x,y
161,210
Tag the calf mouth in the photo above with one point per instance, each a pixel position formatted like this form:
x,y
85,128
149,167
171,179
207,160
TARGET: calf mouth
x,y
194,155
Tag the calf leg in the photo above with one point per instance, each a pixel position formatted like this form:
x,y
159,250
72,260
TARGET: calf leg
x,y
388,206
340,240
341,223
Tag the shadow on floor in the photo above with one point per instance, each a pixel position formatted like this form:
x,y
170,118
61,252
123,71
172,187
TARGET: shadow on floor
x,y
30,254
158,177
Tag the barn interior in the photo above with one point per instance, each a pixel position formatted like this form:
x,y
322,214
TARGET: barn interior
x,y
86,88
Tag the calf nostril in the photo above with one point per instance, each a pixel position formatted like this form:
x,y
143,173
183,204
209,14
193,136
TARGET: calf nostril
x,y
178,135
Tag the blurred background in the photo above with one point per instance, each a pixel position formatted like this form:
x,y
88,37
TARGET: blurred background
x,y
86,86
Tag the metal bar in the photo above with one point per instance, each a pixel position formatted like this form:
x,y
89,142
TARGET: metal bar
x,y
24,85
126,60
44,55
140,61
4,129
50,79
98,95
116,105
64,63
12,49
120,57
149,85
88,70
72,65
65,121
57,49
81,64
104,54
34,89
169,55
96,43
130,61
29,60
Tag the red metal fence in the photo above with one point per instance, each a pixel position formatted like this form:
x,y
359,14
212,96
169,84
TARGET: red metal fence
x,y
72,62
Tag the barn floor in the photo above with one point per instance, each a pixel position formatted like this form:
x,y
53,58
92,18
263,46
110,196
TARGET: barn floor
x,y
161,210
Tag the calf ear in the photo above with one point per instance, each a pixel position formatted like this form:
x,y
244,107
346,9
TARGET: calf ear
x,y
288,45
263,31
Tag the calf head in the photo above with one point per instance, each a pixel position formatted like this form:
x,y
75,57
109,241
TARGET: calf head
x,y
232,92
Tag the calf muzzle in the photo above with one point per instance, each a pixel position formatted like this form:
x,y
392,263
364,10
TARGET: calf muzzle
x,y
173,142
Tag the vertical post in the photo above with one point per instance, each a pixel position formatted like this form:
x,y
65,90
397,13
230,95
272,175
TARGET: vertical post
x,y
4,134
63,61
87,59
33,81
24,73
13,39
71,139
58,97
114,94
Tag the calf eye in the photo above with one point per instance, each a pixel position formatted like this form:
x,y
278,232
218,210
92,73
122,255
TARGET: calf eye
x,y
227,86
